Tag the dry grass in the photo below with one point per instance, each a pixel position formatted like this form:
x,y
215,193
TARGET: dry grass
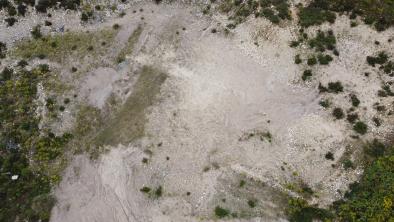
x,y
70,44
129,123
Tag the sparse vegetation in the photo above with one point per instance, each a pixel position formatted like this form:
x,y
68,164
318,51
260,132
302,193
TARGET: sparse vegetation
x,y
360,128
306,75
221,212
338,113
68,44
26,151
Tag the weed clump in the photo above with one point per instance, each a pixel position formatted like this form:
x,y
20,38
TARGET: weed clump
x,y
338,113
221,212
306,75
360,128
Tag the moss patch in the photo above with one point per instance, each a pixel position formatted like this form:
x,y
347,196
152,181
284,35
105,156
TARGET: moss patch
x,y
128,49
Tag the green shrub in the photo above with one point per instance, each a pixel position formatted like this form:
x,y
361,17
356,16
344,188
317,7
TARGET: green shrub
x,y
312,61
360,127
338,113
370,199
299,211
352,117
355,101
145,189
36,32
307,74
252,203
324,59
347,164
324,103
297,59
3,50
323,41
335,87
329,156
380,59
221,212
312,15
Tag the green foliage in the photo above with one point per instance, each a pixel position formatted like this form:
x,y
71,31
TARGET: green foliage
x,y
329,156
312,61
324,59
24,151
335,87
252,203
314,15
36,32
145,189
370,199
352,117
299,211
3,50
323,41
338,113
378,13
324,103
221,212
360,127
274,10
69,44
355,101
307,74
297,59
380,59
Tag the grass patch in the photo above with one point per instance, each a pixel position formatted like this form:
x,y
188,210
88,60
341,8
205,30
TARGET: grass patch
x,y
129,122
128,49
63,46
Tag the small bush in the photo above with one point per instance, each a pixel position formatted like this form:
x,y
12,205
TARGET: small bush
x,y
307,74
347,164
324,59
10,21
338,113
252,203
352,117
329,156
380,59
145,189
3,50
360,128
297,59
335,87
312,61
355,101
221,212
324,103
36,32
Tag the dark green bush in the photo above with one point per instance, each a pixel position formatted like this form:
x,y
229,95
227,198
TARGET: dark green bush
x,y
335,87
329,156
380,59
324,59
312,15
338,113
307,74
352,117
355,101
312,61
10,21
360,127
297,59
36,32
3,50
221,212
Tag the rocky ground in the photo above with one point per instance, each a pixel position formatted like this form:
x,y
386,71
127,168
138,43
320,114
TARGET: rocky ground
x,y
231,122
